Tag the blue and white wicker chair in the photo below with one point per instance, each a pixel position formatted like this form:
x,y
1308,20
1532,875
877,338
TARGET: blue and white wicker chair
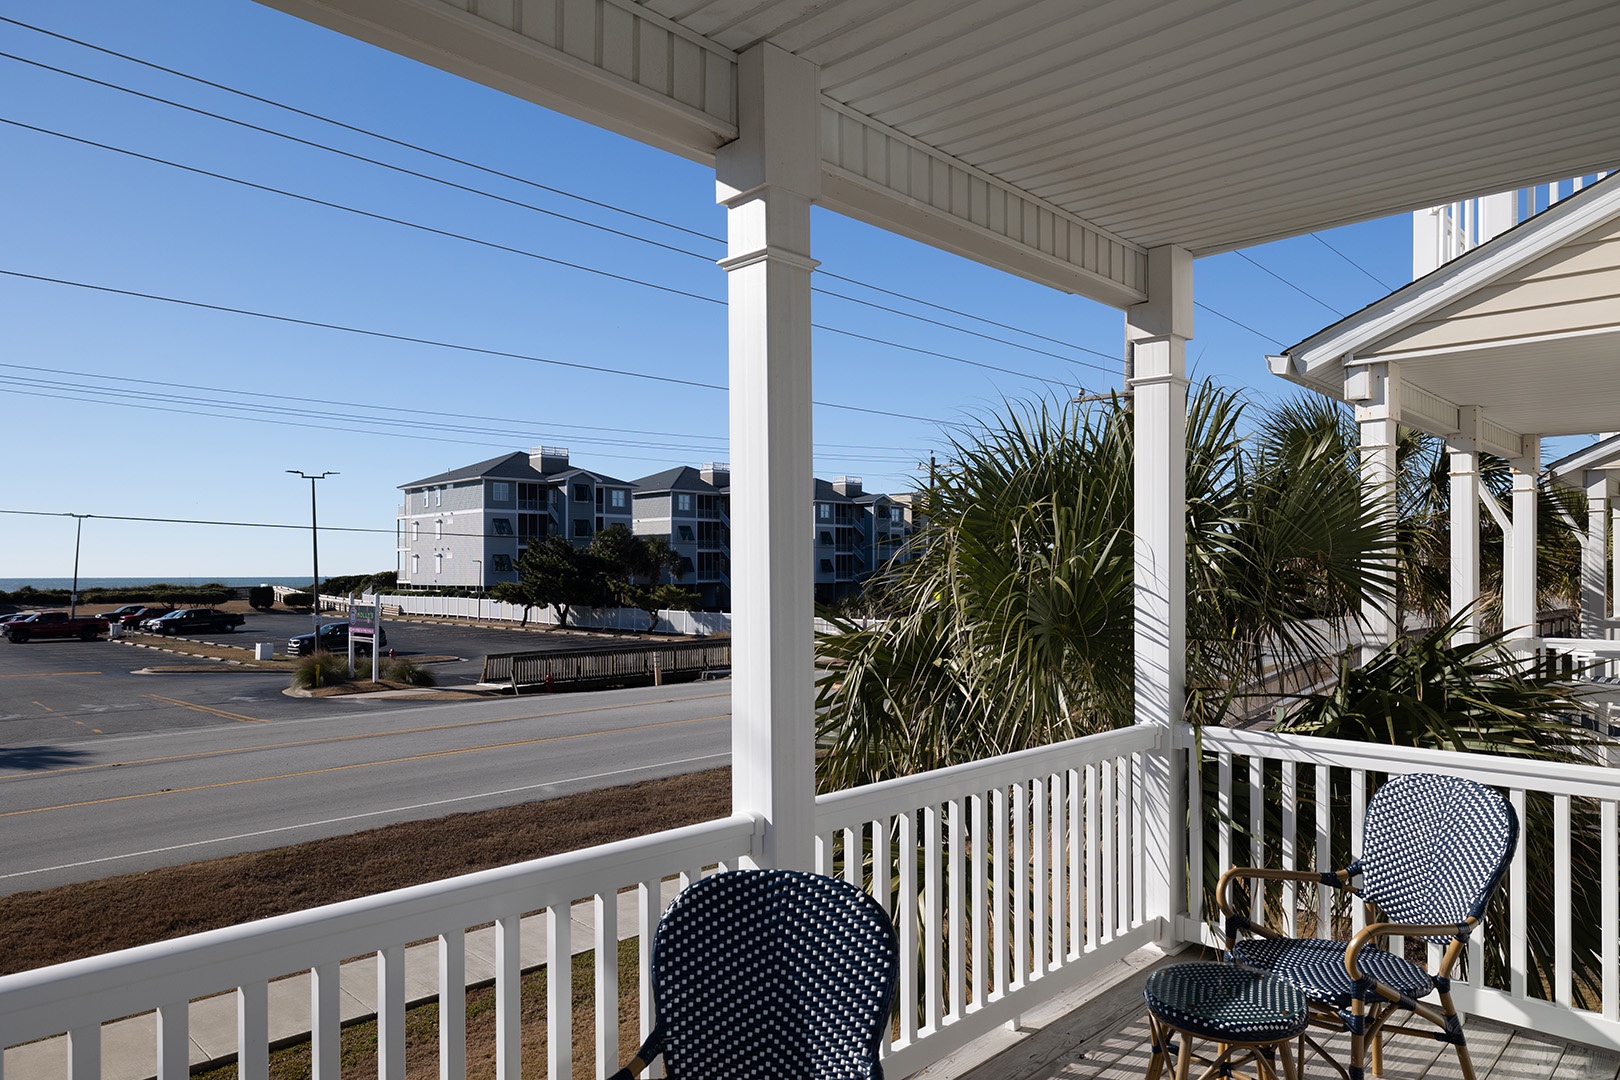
x,y
1433,850
770,973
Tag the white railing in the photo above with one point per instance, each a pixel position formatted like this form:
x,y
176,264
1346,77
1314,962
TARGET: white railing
x,y
1010,880
1563,885
76,998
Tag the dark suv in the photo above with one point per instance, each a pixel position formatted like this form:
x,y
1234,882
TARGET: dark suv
x,y
334,639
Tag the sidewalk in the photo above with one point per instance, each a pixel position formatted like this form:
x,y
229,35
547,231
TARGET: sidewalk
x,y
129,1047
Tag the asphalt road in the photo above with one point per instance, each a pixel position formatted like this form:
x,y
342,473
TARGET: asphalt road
x,y
54,690
89,803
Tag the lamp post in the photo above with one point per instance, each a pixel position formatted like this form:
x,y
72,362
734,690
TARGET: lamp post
x,y
315,558
480,564
73,597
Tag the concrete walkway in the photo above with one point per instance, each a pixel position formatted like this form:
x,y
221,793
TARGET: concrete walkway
x,y
129,1047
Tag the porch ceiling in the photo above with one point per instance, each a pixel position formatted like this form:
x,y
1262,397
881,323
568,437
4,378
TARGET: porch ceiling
x,y
1060,140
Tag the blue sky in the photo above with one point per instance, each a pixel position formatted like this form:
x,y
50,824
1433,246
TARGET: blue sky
x,y
126,403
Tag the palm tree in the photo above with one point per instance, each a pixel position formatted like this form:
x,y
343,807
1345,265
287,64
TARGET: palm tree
x,y
1014,625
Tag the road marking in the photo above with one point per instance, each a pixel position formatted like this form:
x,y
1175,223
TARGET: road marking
x,y
361,817
46,674
44,706
362,765
202,755
207,709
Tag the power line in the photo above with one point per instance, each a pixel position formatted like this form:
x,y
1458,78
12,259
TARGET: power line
x,y
563,193
386,336
1378,280
363,131
513,202
436,413
509,249
1290,284
1234,322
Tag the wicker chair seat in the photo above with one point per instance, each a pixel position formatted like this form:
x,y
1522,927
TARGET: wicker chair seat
x,y
1317,967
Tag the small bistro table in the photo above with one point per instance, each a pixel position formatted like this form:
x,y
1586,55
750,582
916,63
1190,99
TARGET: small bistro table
x,y
1251,1016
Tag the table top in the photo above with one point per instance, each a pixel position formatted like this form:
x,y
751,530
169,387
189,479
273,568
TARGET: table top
x,y
1222,1001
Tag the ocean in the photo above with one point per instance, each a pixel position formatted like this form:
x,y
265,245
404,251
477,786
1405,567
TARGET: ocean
x,y
43,583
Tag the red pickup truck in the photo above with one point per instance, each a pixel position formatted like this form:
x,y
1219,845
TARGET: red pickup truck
x,y
54,624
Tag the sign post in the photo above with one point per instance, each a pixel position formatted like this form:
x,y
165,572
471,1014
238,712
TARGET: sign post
x,y
365,617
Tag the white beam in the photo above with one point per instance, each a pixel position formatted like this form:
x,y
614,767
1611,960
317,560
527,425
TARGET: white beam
x,y
1156,335
1595,557
767,181
620,66
1464,454
1376,393
1519,585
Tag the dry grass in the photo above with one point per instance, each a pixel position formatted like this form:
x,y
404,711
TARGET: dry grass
x,y
54,925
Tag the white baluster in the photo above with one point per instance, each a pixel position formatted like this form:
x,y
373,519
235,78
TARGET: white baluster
x,y
391,1013
452,1005
559,992
607,983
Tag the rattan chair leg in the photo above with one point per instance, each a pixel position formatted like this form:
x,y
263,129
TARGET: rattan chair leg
x,y
1290,1067
1184,1059
1159,1044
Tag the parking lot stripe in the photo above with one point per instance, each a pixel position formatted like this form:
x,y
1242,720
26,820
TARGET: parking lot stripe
x,y
364,765
207,709
46,674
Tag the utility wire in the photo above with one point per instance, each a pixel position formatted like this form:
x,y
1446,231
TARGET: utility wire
x,y
468,189
1290,284
563,193
1378,280
1234,322
436,413
386,336
492,172
509,249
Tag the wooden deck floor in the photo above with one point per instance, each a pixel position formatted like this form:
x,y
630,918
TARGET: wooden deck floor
x,y
1107,1039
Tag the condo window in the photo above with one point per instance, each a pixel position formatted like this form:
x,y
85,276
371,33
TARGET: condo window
x,y
582,493
503,526
500,491
824,511
684,503
582,528
826,566
616,498
685,533
501,564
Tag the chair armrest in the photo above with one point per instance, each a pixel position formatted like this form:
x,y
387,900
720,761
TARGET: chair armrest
x,y
1223,888
1365,937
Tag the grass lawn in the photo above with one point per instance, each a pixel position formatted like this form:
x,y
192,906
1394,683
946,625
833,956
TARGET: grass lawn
x,y
50,926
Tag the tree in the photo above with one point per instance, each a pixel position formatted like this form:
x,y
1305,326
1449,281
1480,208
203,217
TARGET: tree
x,y
1013,626
556,573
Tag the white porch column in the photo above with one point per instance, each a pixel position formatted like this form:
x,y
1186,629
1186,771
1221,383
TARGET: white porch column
x,y
767,180
1595,557
1464,452
1156,334
1519,572
1376,392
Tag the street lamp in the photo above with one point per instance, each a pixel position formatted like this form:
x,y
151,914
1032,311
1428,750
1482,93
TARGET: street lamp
x,y
315,558
480,564
73,597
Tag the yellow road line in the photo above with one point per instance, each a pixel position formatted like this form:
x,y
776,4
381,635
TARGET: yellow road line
x,y
344,738
44,706
362,765
46,674
207,709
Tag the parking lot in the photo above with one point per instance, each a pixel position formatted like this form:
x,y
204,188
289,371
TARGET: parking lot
x,y
52,690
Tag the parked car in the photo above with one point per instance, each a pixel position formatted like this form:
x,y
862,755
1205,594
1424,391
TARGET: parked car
x,y
138,614
193,621
17,616
54,624
334,639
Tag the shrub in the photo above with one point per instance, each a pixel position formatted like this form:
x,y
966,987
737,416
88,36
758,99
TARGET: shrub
x,y
261,597
298,601
321,669
406,672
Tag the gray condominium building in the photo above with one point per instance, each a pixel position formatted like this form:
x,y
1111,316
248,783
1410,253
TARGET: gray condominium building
x,y
466,527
